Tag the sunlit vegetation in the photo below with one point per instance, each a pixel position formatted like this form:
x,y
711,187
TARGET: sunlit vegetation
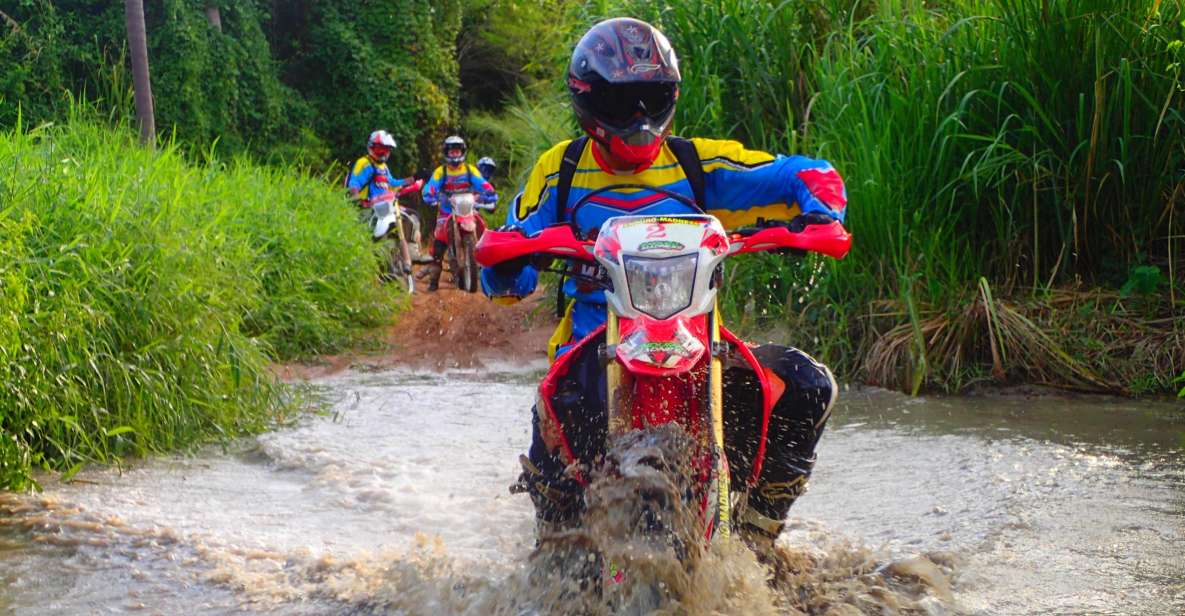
x,y
142,297
1015,168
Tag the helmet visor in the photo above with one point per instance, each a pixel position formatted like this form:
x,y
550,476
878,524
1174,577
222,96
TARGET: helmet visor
x,y
621,104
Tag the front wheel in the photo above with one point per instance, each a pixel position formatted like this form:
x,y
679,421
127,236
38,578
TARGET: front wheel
x,y
454,246
397,268
468,275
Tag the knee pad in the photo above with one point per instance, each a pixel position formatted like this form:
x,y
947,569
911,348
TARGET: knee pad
x,y
810,386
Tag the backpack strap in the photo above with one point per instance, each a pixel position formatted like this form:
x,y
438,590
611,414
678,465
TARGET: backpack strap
x,y
567,171
688,157
563,187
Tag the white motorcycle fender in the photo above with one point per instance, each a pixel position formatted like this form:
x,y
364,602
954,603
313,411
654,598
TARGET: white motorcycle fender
x,y
384,220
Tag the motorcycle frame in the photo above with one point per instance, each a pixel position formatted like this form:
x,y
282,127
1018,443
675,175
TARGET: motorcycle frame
x,y
561,240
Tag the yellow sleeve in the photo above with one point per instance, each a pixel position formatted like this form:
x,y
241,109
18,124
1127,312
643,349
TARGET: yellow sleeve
x,y
726,153
540,187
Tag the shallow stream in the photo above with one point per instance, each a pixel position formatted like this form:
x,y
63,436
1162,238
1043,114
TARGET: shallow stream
x,y
396,502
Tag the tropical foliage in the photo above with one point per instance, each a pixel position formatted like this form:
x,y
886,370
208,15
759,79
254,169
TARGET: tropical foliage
x,y
142,297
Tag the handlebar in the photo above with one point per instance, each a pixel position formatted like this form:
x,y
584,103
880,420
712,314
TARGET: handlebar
x,y
557,240
830,239
560,240
410,188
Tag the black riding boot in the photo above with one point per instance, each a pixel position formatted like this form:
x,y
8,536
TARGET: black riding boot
x,y
796,422
434,270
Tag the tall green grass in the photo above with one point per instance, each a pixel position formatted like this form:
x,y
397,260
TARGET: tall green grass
x,y
1004,139
526,127
1035,146
142,297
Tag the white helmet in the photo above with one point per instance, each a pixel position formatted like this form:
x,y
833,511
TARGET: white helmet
x,y
379,145
487,167
453,142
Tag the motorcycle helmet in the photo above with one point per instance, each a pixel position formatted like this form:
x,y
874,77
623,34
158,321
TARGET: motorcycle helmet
x,y
454,150
624,81
487,167
379,145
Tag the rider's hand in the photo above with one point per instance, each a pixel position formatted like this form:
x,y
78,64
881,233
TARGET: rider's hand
x,y
802,221
796,225
511,267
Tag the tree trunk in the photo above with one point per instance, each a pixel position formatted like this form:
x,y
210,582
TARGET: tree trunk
x,y
214,16
138,45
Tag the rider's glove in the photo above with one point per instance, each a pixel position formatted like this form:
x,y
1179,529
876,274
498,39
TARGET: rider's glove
x,y
512,267
796,225
802,221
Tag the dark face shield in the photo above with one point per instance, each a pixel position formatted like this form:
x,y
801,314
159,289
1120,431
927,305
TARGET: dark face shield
x,y
621,105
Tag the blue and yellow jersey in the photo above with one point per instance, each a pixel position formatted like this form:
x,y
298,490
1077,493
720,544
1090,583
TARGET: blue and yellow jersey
x,y
372,180
463,178
740,186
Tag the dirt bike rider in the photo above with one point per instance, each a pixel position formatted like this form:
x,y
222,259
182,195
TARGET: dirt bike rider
x,y
369,178
452,177
623,79
488,168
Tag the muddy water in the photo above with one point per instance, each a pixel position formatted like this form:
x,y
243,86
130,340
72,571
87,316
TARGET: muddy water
x,y
395,502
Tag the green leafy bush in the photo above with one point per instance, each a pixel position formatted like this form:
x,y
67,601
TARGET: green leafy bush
x,y
294,82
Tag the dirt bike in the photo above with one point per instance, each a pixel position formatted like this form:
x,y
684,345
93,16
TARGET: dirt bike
x,y
386,216
665,480
465,228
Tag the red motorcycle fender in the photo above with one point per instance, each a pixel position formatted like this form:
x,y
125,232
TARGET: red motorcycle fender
x,y
552,430
550,427
654,331
771,389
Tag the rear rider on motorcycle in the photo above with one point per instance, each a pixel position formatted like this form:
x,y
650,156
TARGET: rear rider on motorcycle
x,y
624,82
488,168
455,176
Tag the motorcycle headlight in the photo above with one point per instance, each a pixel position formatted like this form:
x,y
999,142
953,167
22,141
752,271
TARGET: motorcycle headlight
x,y
661,287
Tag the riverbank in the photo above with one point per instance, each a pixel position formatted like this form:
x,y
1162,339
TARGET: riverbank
x,y
1063,344
142,296
1076,339
448,329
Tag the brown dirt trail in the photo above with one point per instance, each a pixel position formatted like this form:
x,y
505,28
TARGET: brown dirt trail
x,y
448,329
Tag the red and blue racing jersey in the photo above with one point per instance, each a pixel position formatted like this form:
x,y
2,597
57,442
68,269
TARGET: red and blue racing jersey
x,y
447,180
372,180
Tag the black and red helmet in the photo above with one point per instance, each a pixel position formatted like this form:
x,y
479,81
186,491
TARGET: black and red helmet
x,y
624,79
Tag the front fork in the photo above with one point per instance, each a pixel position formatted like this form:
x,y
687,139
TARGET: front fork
x,y
620,419
720,461
403,244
